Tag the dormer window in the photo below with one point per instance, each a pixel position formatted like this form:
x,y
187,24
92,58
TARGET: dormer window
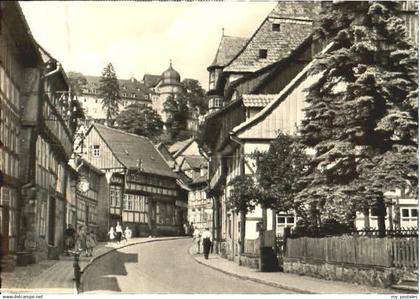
x,y
262,54
276,27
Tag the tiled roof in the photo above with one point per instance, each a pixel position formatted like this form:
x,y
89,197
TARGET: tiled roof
x,y
127,87
257,100
228,48
200,179
180,145
278,98
129,148
184,178
195,161
304,10
151,80
295,21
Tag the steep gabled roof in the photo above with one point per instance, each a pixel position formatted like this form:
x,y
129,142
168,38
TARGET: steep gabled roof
x,y
151,80
129,148
127,86
194,161
166,154
295,21
260,116
199,180
178,147
228,48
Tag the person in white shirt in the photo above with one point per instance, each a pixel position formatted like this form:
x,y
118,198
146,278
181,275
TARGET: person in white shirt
x,y
119,231
206,240
127,234
197,238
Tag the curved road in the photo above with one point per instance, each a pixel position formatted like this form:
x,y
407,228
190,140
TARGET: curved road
x,y
160,268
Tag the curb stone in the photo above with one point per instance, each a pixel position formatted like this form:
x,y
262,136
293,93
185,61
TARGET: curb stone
x,y
84,268
269,283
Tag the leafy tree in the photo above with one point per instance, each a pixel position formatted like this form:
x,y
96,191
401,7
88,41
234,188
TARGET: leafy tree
x,y
176,109
184,106
362,113
141,120
195,95
279,171
76,80
109,91
242,199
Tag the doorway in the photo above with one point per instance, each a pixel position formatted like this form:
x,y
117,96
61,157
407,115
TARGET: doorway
x,y
51,221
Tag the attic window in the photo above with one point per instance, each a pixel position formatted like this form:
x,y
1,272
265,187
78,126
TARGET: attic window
x,y
262,53
276,27
96,151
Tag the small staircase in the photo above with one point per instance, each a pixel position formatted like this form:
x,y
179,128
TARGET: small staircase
x,y
408,284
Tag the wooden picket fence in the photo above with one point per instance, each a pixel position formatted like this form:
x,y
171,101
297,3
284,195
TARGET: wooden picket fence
x,y
364,251
405,253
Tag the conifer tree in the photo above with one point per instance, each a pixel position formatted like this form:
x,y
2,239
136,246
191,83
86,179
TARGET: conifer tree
x,y
362,114
109,91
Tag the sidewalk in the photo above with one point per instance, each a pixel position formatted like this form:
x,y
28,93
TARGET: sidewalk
x,y
58,278
291,282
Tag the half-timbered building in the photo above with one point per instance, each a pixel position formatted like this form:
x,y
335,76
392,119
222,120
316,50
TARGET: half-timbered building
x,y
143,192
257,104
38,119
253,78
15,62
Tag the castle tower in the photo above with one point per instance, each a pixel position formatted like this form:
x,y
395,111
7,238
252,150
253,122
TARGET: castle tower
x,y
170,85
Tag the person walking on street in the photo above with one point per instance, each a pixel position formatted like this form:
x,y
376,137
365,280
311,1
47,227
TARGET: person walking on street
x,y
69,235
197,239
207,239
127,234
81,240
119,231
111,234
186,229
90,243
191,231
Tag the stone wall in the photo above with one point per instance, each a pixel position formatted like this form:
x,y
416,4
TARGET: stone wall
x,y
373,276
249,260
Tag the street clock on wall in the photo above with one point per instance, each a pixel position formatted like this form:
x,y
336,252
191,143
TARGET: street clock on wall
x,y
83,185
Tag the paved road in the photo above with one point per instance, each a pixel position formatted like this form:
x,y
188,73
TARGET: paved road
x,y
161,268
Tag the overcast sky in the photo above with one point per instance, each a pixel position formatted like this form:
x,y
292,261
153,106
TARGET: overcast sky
x,y
140,37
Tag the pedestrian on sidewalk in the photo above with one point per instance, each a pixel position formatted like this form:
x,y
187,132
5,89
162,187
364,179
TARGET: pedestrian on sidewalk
x,y
69,238
207,239
90,243
127,234
191,229
186,228
197,239
119,231
111,234
81,240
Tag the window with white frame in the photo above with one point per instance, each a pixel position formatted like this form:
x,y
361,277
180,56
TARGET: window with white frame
x,y
96,150
409,214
